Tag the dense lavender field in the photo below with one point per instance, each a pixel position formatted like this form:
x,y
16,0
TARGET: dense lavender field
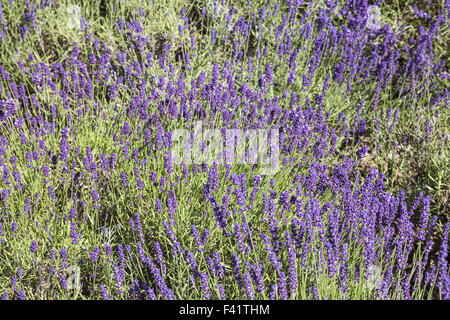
x,y
344,195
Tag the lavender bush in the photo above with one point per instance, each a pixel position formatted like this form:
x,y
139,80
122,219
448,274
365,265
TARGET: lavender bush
x,y
94,206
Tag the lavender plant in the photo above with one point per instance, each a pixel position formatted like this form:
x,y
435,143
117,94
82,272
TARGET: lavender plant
x,y
94,206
